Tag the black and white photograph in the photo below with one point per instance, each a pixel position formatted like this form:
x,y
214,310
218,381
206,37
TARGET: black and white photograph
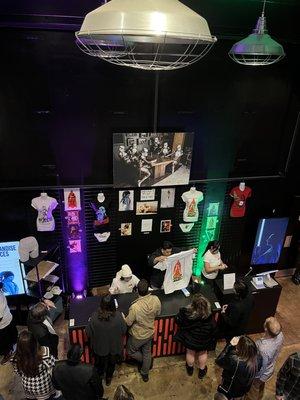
x,y
152,159
126,200
167,198
146,207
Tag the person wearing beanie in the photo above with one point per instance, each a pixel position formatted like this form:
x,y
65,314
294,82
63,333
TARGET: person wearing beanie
x,y
124,282
75,379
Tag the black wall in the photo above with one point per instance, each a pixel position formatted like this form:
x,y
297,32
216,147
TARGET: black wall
x,y
59,108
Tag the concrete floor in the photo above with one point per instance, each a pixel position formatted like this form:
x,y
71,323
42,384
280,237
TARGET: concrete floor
x,y
168,379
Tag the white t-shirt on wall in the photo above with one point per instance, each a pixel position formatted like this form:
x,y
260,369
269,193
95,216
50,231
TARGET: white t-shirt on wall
x,y
191,199
214,260
44,206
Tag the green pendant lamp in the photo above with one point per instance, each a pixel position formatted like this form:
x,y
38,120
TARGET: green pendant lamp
x,y
258,48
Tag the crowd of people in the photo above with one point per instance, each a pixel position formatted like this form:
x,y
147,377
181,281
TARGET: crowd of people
x,y
246,365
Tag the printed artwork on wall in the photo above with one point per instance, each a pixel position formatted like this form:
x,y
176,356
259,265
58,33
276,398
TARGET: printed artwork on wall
x,y
75,246
126,229
146,225
147,195
146,207
126,200
167,198
165,226
152,159
73,217
72,199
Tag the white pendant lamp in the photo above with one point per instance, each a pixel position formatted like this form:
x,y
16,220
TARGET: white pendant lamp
x,y
145,34
258,48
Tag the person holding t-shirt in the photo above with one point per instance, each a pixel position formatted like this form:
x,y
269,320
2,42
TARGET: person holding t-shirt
x,y
212,262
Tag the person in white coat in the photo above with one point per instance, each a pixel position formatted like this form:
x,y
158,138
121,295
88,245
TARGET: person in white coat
x,y
124,282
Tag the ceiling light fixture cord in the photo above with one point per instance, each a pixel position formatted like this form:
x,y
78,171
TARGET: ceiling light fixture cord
x,y
264,7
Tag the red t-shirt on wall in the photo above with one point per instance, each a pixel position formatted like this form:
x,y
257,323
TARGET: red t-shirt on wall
x,y
238,207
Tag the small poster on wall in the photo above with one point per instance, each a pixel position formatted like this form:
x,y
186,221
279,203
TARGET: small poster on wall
x,y
126,229
167,198
147,195
126,200
72,199
146,225
72,217
146,207
165,226
75,246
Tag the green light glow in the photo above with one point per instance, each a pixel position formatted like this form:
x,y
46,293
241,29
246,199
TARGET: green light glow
x,y
211,221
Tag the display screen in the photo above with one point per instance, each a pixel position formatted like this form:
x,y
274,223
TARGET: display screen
x,y
10,273
269,241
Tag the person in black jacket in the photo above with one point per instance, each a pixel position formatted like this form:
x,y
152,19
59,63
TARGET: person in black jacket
x,y
235,315
105,331
75,379
41,326
196,332
240,361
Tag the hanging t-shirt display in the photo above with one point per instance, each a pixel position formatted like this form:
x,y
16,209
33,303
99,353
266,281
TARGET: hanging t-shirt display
x,y
44,206
191,199
238,207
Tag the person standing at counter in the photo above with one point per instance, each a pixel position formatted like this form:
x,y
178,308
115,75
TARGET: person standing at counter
x,y
212,262
196,333
105,331
140,319
235,315
124,282
160,255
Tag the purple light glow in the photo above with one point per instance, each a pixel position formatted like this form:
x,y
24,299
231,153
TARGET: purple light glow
x,y
76,255
79,296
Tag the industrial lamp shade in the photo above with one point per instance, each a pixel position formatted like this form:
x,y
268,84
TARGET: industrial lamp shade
x,y
145,34
258,48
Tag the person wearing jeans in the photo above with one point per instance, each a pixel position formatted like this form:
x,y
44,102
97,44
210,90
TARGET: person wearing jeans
x,y
140,319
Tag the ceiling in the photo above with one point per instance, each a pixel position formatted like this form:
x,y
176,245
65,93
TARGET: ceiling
x,y
226,18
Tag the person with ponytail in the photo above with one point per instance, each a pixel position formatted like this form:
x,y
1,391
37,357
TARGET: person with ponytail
x,y
240,361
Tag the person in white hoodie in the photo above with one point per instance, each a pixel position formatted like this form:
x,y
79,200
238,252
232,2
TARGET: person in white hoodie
x,y
8,330
124,282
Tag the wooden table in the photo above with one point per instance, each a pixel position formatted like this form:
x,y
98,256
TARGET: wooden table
x,y
160,168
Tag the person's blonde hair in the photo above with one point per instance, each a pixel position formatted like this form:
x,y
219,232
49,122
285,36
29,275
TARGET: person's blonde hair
x,y
272,326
